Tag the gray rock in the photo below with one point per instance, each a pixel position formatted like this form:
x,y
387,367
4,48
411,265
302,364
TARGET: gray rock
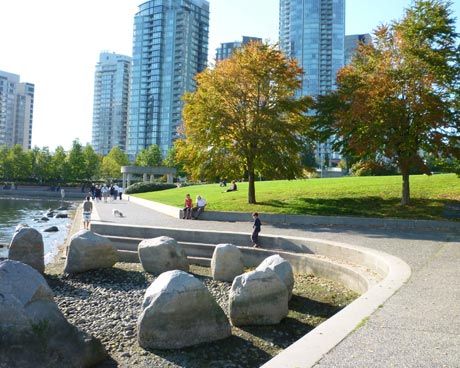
x,y
27,247
33,331
89,251
282,268
258,298
51,229
226,262
161,254
179,311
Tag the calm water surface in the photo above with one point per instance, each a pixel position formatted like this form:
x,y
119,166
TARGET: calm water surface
x,y
27,211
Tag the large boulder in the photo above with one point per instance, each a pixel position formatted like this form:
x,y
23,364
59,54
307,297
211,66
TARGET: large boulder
x,y
282,268
33,331
27,247
179,311
226,262
258,298
161,254
89,251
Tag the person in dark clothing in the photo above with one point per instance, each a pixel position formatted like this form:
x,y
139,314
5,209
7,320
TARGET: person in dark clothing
x,y
233,187
255,230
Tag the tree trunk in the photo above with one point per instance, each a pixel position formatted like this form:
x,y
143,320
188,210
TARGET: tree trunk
x,y
405,201
251,187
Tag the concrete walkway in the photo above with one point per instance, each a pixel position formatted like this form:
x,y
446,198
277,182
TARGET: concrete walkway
x,y
419,326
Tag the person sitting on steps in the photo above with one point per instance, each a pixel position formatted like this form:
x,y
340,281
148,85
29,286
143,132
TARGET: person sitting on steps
x,y
200,204
188,205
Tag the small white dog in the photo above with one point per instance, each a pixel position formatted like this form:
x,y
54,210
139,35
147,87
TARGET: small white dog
x,y
117,213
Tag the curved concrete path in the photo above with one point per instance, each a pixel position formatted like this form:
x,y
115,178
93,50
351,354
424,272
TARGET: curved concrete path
x,y
419,326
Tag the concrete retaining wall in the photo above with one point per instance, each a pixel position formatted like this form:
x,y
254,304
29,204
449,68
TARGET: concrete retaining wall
x,y
340,265
302,219
336,261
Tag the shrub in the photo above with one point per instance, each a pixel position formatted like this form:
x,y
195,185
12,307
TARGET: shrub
x,y
144,187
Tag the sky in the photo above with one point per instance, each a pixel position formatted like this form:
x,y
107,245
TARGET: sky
x,y
55,44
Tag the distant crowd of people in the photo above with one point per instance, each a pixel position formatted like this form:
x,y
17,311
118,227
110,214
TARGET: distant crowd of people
x,y
104,192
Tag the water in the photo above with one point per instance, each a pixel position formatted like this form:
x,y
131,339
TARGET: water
x,y
27,211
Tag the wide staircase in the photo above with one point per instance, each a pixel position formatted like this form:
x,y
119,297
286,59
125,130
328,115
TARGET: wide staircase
x,y
197,253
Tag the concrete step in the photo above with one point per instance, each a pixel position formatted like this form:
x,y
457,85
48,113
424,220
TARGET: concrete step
x,y
132,257
200,261
191,248
198,249
128,256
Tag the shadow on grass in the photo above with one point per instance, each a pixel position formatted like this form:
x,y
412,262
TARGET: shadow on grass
x,y
372,206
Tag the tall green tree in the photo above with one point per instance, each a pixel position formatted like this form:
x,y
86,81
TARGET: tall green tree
x,y
150,157
171,160
92,163
57,164
112,163
399,97
19,163
245,118
74,167
41,164
3,161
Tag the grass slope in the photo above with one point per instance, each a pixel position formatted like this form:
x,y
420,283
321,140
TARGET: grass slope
x,y
377,196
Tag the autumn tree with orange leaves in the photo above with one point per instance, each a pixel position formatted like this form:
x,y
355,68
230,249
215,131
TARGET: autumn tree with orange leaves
x,y
244,118
398,99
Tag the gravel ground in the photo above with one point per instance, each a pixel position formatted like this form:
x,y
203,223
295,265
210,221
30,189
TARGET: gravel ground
x,y
106,304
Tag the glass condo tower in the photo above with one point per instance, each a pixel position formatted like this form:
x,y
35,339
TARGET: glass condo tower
x,y
313,32
170,46
111,102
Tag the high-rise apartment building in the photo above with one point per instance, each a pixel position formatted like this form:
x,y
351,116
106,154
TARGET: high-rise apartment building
x,y
225,50
351,45
111,102
313,32
170,48
16,111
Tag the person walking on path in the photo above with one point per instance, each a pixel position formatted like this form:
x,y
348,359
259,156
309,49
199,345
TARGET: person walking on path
x,y
105,193
87,210
255,230
188,205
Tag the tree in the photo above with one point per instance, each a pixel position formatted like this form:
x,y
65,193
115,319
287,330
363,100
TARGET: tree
x,y
3,161
171,160
112,163
399,96
57,163
19,163
92,162
150,157
74,168
41,164
244,118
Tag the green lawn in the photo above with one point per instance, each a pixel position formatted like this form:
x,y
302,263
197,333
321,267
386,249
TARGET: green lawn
x,y
347,196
